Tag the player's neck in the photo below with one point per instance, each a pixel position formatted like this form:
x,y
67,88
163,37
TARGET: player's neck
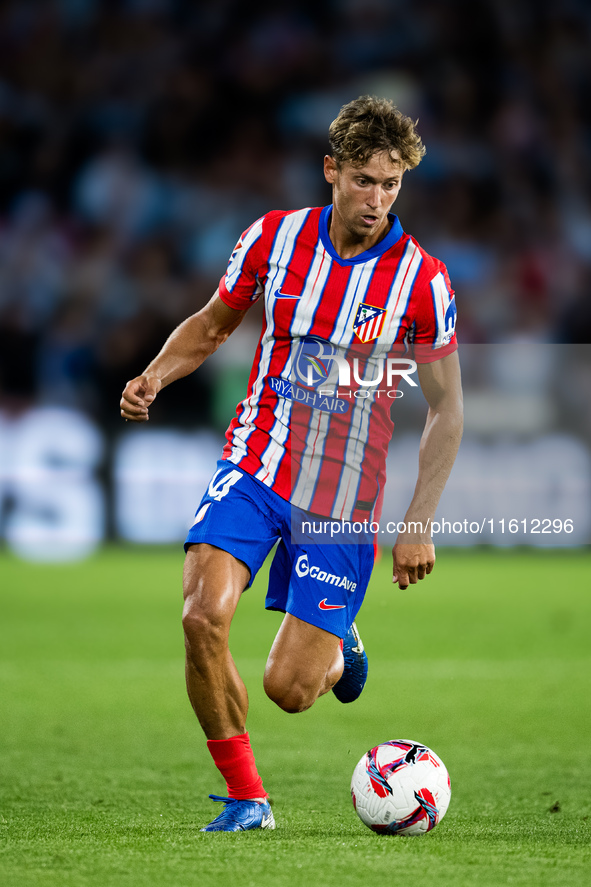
x,y
347,243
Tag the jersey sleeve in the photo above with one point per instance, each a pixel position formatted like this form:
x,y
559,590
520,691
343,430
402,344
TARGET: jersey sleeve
x,y
242,284
434,329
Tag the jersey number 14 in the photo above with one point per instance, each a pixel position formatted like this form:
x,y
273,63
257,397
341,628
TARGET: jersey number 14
x,y
219,488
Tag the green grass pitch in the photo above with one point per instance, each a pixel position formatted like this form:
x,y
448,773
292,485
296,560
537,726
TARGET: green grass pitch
x,y
105,775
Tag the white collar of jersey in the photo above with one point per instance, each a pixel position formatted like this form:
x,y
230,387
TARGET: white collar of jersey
x,y
392,237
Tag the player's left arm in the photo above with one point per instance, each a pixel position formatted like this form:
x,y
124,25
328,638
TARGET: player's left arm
x,y
414,552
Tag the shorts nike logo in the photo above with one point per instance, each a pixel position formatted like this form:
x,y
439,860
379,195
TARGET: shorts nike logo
x,y
324,606
279,295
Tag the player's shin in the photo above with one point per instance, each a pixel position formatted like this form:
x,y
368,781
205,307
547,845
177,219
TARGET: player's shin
x,y
235,760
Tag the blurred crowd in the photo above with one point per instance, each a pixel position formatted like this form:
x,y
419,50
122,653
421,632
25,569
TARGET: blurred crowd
x,y
138,138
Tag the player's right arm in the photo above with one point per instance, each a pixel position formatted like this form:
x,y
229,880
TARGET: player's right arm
x,y
185,349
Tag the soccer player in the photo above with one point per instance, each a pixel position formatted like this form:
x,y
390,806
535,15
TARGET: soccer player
x,y
344,288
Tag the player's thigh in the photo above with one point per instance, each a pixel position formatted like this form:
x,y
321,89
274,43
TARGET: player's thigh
x,y
302,654
231,535
213,581
234,517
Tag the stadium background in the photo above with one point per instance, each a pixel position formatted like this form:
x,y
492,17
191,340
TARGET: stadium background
x,y
137,139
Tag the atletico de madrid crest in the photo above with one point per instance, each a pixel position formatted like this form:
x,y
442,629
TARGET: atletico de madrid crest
x,y
368,322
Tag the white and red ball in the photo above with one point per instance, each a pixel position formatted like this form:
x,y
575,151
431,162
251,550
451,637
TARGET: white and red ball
x,y
401,788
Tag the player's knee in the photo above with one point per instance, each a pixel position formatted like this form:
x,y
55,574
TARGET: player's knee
x,y
292,697
205,628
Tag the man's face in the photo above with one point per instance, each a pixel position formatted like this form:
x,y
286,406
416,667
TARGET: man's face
x,y
363,195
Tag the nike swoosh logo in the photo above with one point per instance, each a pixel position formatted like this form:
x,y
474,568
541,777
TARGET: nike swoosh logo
x,y
267,820
279,295
324,606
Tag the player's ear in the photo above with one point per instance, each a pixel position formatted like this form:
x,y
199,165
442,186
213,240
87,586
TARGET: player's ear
x,y
330,169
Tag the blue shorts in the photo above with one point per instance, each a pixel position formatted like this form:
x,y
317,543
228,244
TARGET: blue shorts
x,y
320,583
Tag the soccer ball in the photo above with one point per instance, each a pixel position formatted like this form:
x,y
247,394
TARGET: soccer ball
x,y
401,788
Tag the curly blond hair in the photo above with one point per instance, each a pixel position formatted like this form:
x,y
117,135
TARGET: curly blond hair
x,y
370,125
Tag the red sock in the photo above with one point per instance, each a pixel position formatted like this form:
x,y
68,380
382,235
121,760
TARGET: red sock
x,y
342,644
234,759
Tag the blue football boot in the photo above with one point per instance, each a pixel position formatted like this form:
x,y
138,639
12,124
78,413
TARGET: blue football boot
x,y
349,686
240,816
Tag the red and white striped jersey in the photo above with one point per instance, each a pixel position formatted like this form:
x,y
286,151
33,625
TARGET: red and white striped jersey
x,y
315,441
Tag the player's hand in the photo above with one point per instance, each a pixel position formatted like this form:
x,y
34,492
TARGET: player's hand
x,y
138,396
413,559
